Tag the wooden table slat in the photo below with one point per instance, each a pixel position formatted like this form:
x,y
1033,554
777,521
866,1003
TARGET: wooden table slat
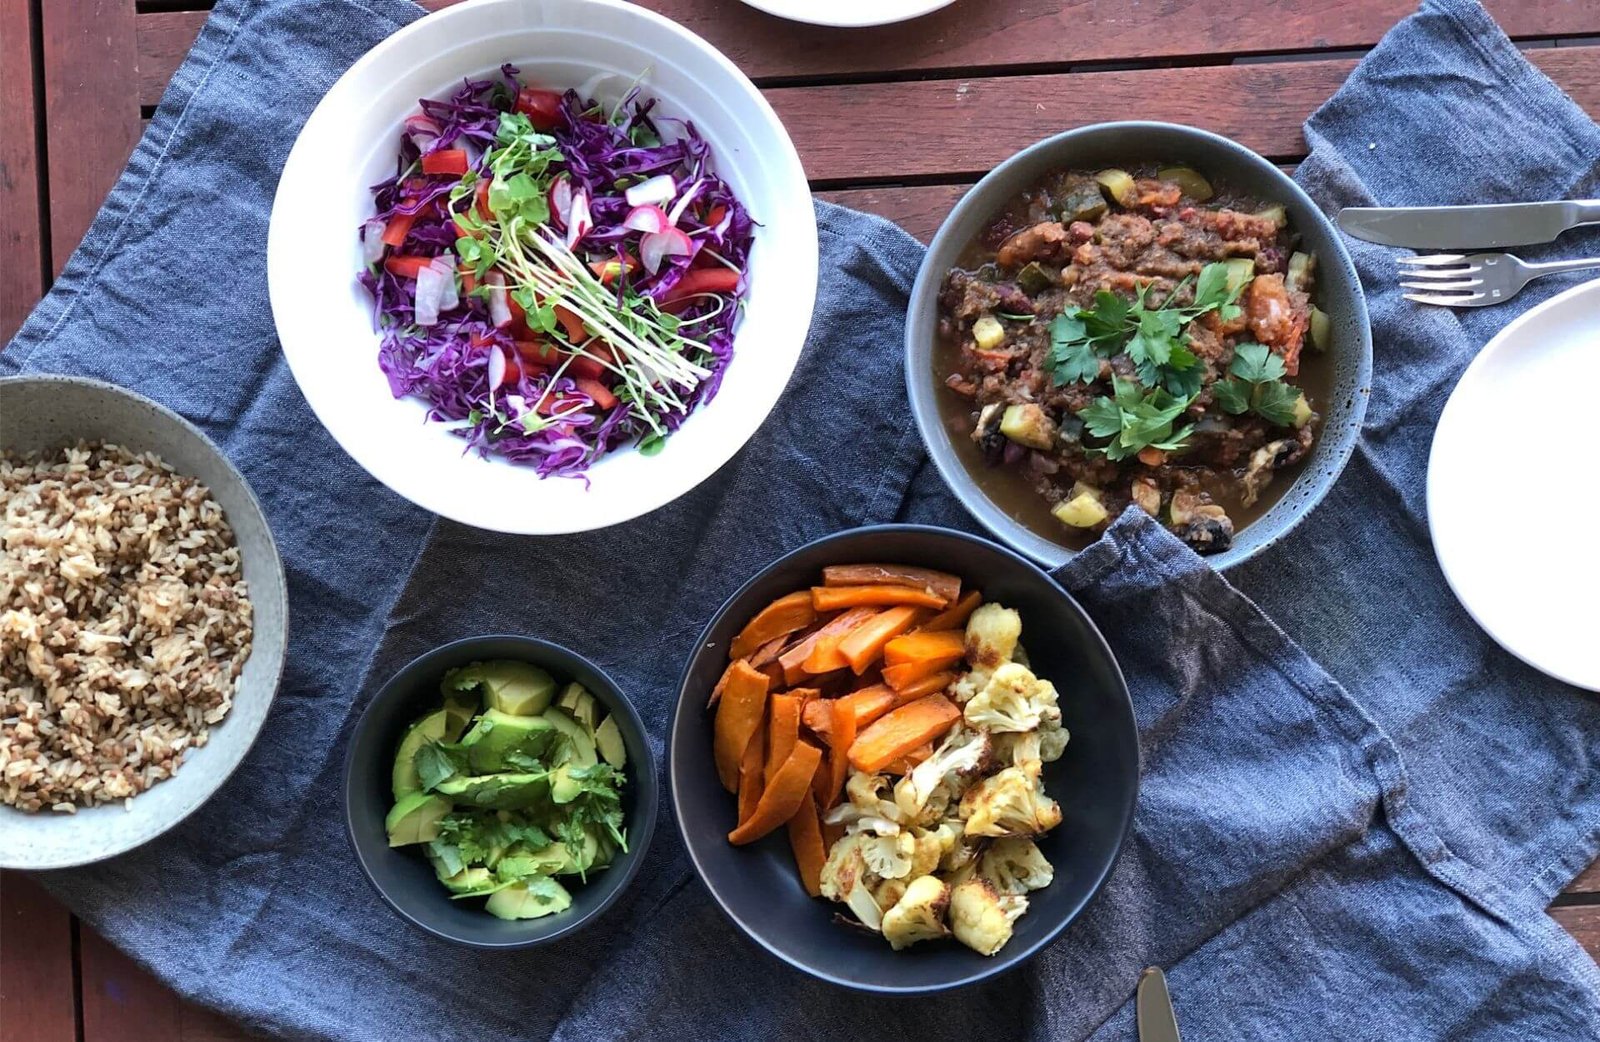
x,y
1583,923
981,34
91,122
118,992
37,1003
21,242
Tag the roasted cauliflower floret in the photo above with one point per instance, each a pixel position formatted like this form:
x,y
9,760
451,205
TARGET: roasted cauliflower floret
x,y
1015,865
1010,803
924,795
1052,742
868,807
1029,749
889,857
919,914
847,879
1014,700
981,917
992,635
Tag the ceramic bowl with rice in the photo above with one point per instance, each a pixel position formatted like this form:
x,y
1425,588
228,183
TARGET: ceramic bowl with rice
x,y
142,620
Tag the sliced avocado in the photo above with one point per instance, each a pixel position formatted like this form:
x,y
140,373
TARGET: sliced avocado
x,y
563,787
608,739
577,700
520,901
579,747
461,709
415,819
498,735
576,862
469,880
517,688
499,791
432,727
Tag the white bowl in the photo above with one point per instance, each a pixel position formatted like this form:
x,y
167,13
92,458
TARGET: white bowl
x,y
349,143
849,14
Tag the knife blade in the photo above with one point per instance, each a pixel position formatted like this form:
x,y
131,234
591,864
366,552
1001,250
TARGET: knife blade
x,y
1153,1007
1467,227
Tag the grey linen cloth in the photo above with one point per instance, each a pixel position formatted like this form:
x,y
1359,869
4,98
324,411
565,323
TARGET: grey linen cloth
x,y
1360,858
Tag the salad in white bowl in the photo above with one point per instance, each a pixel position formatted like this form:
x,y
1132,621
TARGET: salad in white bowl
x,y
542,266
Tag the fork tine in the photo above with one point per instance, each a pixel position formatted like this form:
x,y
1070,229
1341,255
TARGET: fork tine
x,y
1436,285
1439,273
1455,301
1434,259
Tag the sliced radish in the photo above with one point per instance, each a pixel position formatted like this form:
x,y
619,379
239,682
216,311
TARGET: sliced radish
x,y
581,223
450,296
657,190
422,131
372,241
657,247
561,198
647,219
497,368
430,294
683,203
499,303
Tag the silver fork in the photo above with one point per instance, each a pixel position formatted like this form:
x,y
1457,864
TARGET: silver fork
x,y
1476,280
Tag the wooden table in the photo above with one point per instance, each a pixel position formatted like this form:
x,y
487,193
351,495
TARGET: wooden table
x,y
898,121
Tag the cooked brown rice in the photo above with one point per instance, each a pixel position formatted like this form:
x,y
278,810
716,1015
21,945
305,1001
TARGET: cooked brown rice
x,y
124,624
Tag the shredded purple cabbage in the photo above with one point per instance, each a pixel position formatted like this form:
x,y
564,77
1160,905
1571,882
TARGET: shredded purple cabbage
x,y
447,364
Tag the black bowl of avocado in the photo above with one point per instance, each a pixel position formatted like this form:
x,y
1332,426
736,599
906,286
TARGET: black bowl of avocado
x,y
500,792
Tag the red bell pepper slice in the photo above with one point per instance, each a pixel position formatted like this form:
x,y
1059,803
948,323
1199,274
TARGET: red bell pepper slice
x,y
607,271
542,107
551,404
582,367
482,200
405,265
704,280
572,324
599,392
399,226
445,161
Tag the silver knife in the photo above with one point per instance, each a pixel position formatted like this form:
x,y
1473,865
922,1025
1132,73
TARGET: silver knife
x,y
1467,227
1157,1022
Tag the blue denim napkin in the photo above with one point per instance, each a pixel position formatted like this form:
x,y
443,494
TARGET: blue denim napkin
x,y
1358,858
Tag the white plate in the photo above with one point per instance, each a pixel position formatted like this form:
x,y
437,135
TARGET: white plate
x,y
324,317
849,14
1514,493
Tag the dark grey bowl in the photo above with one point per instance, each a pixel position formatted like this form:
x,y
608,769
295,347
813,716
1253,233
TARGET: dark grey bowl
x,y
1109,144
403,876
1096,781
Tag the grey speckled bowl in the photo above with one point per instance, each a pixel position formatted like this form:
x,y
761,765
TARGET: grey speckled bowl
x,y
39,413
1127,144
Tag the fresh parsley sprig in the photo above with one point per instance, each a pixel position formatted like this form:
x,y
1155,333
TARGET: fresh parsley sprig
x,y
1134,419
1255,384
1152,337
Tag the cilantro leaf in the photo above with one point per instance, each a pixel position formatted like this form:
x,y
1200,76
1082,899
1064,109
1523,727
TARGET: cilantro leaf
x,y
1102,418
1232,395
1254,363
449,856
437,762
1274,402
1072,354
1134,419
